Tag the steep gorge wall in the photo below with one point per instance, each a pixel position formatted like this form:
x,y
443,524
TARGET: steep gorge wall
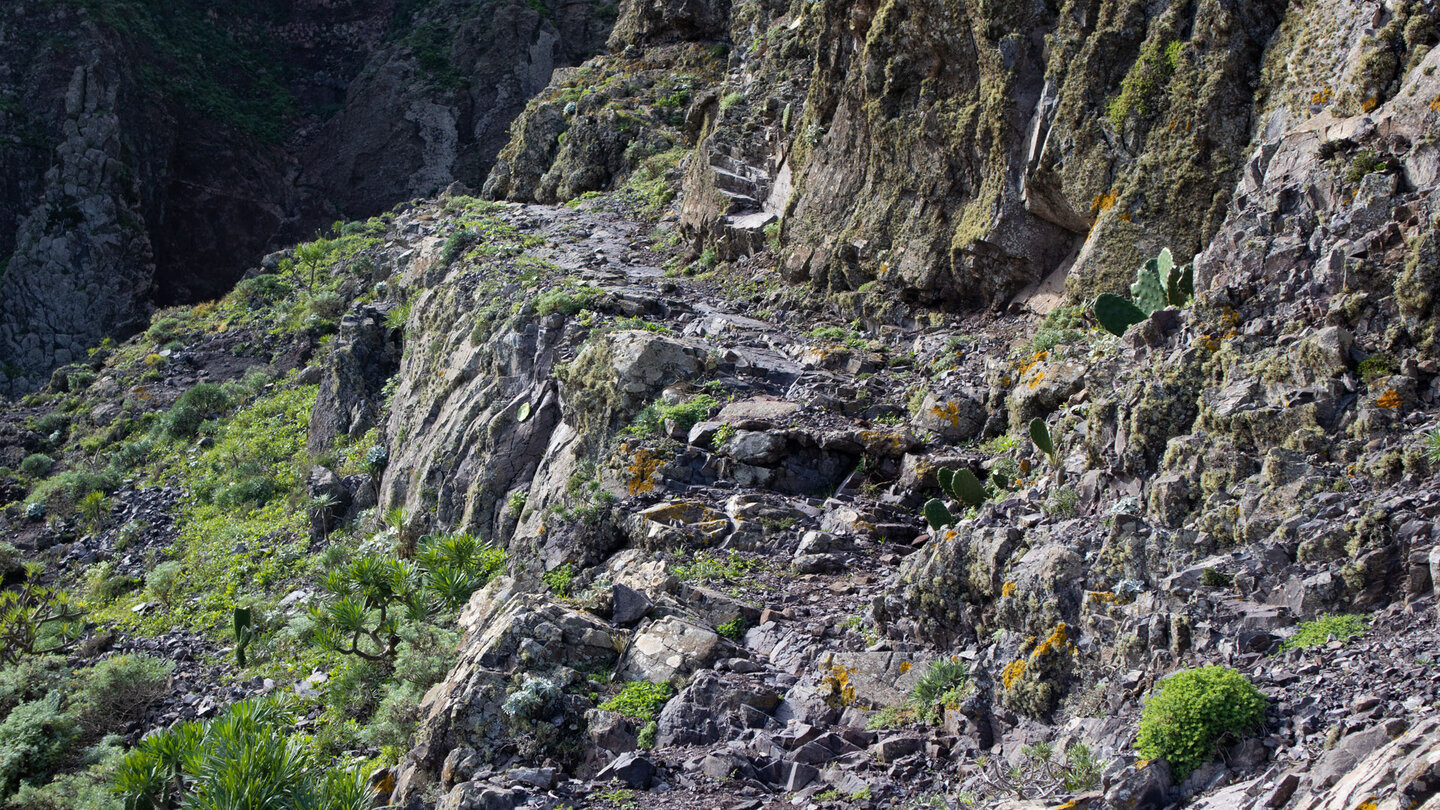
x,y
149,154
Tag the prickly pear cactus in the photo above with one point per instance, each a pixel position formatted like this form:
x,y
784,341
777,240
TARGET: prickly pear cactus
x,y
1148,291
1116,314
937,515
966,488
1040,435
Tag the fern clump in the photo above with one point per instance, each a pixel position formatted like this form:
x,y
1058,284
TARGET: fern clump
x,y
1193,711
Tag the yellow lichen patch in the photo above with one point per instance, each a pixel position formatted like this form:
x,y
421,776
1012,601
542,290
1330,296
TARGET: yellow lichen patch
x,y
905,667
1103,596
836,687
1012,673
1070,805
1369,104
950,412
1322,96
1368,804
1037,380
1390,399
641,471
1435,103
1007,590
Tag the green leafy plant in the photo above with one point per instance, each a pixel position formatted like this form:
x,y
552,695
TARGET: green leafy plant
x,y
962,485
937,514
1432,446
558,579
34,740
1193,711
203,401
117,691
1116,314
640,700
1323,629
733,629
37,465
1158,283
246,759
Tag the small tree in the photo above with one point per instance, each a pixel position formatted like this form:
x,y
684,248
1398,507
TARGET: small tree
x,y
35,620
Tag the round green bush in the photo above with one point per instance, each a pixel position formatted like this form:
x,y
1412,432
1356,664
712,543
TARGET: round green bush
x,y
1192,711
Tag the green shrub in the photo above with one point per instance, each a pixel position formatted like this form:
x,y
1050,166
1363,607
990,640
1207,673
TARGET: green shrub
x,y
651,419
163,582
37,465
1375,367
164,329
369,595
566,301
1193,711
733,629
1321,630
203,401
117,691
65,490
640,700
34,740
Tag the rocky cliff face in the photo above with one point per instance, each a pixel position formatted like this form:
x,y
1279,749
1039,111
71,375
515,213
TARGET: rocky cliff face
x,y
136,174
819,258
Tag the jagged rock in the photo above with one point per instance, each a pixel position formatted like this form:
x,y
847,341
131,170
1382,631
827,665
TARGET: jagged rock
x,y
1143,786
365,354
479,796
632,769
1401,773
627,604
714,708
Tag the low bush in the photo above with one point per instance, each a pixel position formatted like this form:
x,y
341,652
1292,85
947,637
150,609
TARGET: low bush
x,y
37,465
245,759
203,401
117,691
1321,630
1193,711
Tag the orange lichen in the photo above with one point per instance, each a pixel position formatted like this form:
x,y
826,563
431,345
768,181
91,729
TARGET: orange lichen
x,y
905,667
1369,104
1322,96
1104,202
1007,590
641,470
1368,804
1058,640
950,412
1390,399
1435,103
1036,382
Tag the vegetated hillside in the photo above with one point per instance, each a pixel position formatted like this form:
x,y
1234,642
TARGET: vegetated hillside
x,y
501,504
151,151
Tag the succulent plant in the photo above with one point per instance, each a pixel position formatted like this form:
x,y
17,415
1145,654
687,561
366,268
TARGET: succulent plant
x,y
963,486
1116,314
1148,291
937,515
1040,435
244,633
